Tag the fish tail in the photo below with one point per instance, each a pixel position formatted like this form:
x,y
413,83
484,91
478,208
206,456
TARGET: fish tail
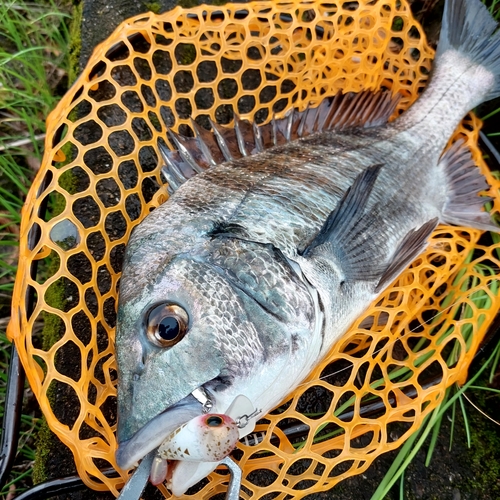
x,y
466,73
469,52
469,29
466,69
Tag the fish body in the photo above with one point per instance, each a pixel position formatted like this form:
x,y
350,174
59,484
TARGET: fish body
x,y
253,268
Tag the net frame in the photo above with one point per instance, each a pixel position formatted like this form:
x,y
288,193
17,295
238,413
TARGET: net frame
x,y
303,51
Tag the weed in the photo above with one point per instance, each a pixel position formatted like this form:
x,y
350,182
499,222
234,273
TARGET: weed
x,y
33,76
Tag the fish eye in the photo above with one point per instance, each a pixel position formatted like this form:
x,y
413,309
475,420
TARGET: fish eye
x,y
166,325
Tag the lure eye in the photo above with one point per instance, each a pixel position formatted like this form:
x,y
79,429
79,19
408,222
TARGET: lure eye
x,y
166,325
214,421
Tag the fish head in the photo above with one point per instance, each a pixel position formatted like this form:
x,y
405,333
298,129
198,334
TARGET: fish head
x,y
194,322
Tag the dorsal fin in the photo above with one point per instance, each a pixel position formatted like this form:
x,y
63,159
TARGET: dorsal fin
x,y
173,168
207,149
188,154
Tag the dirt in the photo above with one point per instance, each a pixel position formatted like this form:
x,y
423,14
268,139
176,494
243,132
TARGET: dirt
x,y
101,17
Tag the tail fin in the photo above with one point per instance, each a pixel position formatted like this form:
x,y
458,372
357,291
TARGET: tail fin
x,y
469,28
463,204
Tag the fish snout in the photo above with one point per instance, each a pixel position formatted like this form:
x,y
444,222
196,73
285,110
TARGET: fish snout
x,y
132,448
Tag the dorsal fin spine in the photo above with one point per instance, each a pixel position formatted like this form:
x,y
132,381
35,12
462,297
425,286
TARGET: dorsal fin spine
x,y
274,129
202,145
172,183
258,138
338,109
349,109
183,151
322,117
239,136
170,171
289,122
303,120
221,141
208,149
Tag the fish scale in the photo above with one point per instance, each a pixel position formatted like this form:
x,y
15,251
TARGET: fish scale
x,y
289,219
255,269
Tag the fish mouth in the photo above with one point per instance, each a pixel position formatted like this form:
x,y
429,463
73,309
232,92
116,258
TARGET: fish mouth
x,y
151,435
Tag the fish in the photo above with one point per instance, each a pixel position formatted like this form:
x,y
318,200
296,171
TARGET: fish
x,y
276,238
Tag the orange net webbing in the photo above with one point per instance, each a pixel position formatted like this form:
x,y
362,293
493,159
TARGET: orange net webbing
x,y
101,176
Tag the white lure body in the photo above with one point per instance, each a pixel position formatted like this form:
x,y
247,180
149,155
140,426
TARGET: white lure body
x,y
206,438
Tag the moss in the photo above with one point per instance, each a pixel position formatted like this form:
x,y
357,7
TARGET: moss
x,y
218,2
186,53
57,202
75,43
155,121
44,443
187,4
55,295
52,331
154,7
397,24
68,180
484,455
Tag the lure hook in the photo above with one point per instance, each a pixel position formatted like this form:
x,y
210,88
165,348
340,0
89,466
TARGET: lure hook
x,y
134,487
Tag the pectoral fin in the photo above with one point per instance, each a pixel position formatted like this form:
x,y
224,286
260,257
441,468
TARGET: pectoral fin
x,y
353,239
343,236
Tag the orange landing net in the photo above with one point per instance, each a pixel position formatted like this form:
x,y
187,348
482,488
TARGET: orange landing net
x,y
100,177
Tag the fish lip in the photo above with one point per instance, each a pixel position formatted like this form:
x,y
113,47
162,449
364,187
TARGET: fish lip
x,y
151,435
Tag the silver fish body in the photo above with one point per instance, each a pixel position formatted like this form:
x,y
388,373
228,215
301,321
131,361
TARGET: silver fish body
x,y
272,256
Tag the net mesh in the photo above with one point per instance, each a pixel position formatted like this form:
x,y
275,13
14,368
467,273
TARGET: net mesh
x,y
100,177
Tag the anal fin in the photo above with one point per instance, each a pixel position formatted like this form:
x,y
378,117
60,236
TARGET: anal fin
x,y
410,247
463,205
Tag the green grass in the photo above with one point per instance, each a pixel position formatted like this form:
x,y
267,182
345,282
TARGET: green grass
x,y
428,434
33,76
454,401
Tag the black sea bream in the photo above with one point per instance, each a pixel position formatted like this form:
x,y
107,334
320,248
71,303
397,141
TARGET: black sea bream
x,y
254,267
